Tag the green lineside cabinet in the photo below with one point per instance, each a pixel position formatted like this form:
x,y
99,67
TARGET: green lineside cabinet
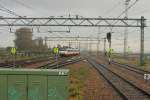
x,y
34,84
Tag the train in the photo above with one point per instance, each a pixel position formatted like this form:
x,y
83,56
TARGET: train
x,y
69,52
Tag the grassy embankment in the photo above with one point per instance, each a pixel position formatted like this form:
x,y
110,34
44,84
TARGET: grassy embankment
x,y
78,76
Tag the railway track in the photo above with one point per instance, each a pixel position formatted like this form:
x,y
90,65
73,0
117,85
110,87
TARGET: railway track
x,y
27,62
22,63
131,68
126,89
64,62
133,75
128,67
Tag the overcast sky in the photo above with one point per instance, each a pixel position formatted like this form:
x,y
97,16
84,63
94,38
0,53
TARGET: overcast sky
x,y
86,8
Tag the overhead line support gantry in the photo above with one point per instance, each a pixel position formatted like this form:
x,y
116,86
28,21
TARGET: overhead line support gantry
x,y
82,22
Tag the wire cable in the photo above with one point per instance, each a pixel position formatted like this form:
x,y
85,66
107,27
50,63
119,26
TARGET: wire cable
x,y
124,12
114,7
23,4
128,8
8,11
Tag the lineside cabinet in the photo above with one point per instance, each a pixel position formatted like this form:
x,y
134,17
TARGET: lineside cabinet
x,y
34,84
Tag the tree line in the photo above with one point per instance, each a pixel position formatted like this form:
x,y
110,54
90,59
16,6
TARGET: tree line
x,y
24,42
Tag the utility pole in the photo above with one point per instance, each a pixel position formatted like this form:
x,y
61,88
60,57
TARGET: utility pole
x,y
90,47
79,46
98,49
69,44
104,46
142,41
126,28
98,42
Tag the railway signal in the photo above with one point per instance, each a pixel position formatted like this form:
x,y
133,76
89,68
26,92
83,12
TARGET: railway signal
x,y
110,50
109,37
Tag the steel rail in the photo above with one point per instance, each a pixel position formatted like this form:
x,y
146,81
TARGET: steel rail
x,y
131,68
66,62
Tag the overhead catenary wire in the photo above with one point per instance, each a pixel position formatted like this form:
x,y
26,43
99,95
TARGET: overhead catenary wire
x,y
27,6
114,7
23,4
8,11
128,8
4,9
131,32
124,12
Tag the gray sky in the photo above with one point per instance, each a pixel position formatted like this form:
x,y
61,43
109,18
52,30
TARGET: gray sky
x,y
86,8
